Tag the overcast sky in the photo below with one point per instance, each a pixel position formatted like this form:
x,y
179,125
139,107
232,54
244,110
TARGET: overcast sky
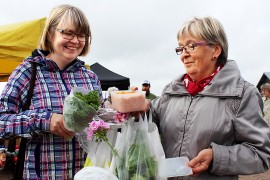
x,y
137,38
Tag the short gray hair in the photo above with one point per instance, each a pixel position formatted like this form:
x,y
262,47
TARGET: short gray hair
x,y
266,86
209,29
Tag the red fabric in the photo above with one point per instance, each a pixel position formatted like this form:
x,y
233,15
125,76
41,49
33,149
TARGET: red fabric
x,y
194,88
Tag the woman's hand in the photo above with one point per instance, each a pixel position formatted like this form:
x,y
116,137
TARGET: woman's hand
x,y
146,108
57,127
202,161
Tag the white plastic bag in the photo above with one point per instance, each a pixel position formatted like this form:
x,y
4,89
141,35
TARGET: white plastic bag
x,y
170,167
94,173
155,138
155,142
137,158
99,153
105,114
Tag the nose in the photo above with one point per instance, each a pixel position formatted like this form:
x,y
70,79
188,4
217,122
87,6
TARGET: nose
x,y
185,53
75,38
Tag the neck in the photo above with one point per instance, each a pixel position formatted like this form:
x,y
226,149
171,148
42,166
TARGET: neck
x,y
202,75
62,64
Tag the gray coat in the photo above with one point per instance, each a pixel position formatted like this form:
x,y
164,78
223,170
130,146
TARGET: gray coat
x,y
226,115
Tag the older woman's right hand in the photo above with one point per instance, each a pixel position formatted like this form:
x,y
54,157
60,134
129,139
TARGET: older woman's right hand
x,y
146,108
57,127
202,161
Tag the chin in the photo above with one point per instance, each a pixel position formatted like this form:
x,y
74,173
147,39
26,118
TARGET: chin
x,y
190,71
71,56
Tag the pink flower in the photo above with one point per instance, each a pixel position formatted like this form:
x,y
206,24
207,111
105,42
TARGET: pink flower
x,y
90,133
120,117
98,129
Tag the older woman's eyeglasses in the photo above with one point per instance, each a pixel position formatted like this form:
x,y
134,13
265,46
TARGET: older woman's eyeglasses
x,y
70,35
189,47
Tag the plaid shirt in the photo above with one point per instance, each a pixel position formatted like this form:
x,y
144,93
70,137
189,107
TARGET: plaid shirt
x,y
56,157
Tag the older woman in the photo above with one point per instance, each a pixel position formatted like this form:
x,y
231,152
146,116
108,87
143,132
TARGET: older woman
x,y
265,89
211,114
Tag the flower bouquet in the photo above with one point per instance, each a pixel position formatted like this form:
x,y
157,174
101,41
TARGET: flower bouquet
x,y
133,156
101,137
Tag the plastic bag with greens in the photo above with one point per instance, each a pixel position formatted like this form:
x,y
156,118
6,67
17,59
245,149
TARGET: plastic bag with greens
x,y
80,106
137,158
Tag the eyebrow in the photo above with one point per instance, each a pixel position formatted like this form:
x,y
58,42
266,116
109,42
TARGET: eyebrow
x,y
66,30
69,30
188,42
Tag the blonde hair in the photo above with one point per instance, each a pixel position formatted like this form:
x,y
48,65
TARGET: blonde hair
x,y
65,14
208,29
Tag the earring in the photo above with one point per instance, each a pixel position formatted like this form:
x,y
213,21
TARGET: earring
x,y
213,58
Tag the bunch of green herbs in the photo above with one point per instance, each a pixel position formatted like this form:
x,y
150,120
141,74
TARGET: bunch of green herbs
x,y
91,98
80,109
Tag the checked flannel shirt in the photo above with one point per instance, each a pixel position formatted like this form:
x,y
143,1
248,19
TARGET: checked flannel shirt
x,y
47,156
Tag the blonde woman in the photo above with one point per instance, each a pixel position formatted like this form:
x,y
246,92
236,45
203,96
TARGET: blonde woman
x,y
54,153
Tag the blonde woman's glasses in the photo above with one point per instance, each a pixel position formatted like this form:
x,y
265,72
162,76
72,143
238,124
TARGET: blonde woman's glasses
x,y
70,35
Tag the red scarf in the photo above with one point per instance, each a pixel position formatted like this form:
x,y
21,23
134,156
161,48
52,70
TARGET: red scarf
x,y
194,88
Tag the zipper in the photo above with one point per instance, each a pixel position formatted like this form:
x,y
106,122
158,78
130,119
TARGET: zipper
x,y
72,168
192,97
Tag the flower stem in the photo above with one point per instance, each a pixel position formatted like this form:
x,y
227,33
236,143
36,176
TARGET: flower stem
x,y
114,151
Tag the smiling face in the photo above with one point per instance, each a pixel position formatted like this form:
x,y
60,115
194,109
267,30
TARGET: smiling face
x,y
199,63
65,51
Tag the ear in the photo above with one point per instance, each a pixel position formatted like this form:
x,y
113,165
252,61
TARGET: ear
x,y
217,51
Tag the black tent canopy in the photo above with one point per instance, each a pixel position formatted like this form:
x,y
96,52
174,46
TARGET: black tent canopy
x,y
264,79
108,78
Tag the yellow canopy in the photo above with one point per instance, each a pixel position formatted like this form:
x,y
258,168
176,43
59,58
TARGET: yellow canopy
x,y
17,41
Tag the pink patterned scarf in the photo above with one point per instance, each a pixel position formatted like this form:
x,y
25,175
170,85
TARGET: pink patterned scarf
x,y
194,88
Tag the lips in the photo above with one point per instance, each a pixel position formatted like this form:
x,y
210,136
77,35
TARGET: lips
x,y
72,48
186,63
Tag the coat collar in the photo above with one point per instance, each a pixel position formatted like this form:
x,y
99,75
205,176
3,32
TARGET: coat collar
x,y
39,57
227,83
